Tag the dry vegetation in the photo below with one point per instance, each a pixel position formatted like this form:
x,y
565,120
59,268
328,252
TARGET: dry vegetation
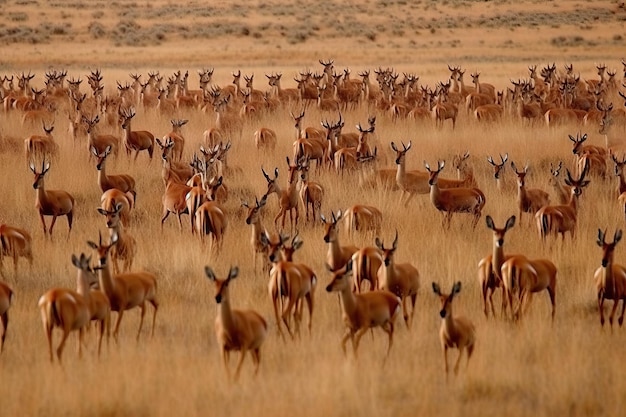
x,y
572,367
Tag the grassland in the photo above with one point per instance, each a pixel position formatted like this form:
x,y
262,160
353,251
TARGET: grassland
x,y
571,367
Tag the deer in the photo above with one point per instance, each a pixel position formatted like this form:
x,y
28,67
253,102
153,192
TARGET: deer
x,y
265,138
175,201
242,330
562,218
610,278
135,140
111,198
412,182
53,203
15,242
6,297
362,312
259,232
489,267
526,276
123,182
42,147
454,200
362,218
562,191
177,171
311,192
337,255
99,142
529,200
455,331
125,291
210,218
499,170
295,282
126,246
67,309
401,279
287,198
177,138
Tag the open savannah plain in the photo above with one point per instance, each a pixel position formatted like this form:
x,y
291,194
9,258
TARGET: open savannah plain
x,y
572,366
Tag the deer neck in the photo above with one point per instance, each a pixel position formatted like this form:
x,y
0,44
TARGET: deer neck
x,y
497,257
348,301
82,286
401,171
104,278
225,313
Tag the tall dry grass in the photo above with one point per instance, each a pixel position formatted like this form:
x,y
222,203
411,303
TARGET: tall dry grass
x,y
533,367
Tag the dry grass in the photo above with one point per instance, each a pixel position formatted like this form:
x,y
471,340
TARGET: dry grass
x,y
569,368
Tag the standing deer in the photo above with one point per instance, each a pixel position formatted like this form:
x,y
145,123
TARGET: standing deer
x,y
457,331
529,200
125,291
287,198
610,278
53,203
242,330
401,279
67,309
362,312
489,274
135,140
454,200
15,242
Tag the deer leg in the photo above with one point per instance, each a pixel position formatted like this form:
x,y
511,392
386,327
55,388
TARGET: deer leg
x,y
357,338
621,317
601,307
388,328
256,359
142,308
225,356
613,310
66,333
240,363
349,334
5,324
43,222
458,360
552,294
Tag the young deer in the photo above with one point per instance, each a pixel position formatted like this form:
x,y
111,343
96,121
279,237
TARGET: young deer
x,y
457,331
240,330
362,312
53,203
401,279
610,278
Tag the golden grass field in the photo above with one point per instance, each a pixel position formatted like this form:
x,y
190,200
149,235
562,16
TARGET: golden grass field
x,y
571,367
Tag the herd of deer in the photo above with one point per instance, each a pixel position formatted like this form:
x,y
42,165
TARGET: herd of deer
x,y
199,189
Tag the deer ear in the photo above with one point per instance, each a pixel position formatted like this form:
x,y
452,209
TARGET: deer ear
x,y
510,222
209,273
349,266
489,222
234,271
456,288
436,288
92,245
618,236
75,261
